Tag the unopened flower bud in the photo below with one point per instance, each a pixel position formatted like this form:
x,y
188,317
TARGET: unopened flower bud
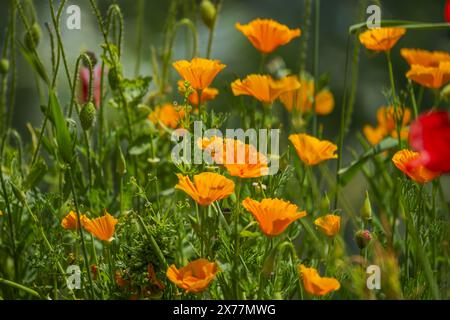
x,y
366,210
113,78
121,163
324,204
208,13
32,37
4,66
92,58
362,238
87,116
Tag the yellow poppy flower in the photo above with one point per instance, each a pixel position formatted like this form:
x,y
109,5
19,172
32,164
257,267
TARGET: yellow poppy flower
x,y
315,284
207,187
302,98
199,72
404,160
273,215
381,39
387,125
194,277
102,228
168,115
70,221
250,164
266,34
329,224
424,58
263,87
430,77
311,150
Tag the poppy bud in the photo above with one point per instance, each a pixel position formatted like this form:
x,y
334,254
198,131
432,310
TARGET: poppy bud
x,y
4,66
32,37
269,263
121,163
208,13
366,210
362,238
324,204
87,116
113,78
92,58
445,93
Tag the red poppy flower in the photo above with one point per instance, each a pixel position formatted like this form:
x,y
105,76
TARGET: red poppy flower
x,y
430,135
83,96
447,11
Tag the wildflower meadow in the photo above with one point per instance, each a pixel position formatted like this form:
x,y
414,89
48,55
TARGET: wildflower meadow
x,y
217,158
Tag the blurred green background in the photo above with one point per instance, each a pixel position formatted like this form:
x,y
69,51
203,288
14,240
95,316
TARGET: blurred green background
x,y
233,49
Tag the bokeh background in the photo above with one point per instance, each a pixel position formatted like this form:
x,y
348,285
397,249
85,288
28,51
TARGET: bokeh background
x,y
232,48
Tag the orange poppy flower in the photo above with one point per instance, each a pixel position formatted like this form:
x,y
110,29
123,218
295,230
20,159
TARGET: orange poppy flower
x,y
266,34
245,161
315,284
387,125
424,58
273,215
167,115
404,161
311,150
102,228
430,77
199,72
381,39
207,187
207,94
329,224
374,135
195,277
302,98
70,222
263,87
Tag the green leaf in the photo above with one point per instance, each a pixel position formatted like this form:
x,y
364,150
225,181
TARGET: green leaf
x,y
35,63
35,175
63,138
346,174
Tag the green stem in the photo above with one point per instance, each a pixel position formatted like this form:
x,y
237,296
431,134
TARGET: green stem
x,y
153,242
316,61
80,231
342,128
236,240
398,123
140,20
20,287
212,29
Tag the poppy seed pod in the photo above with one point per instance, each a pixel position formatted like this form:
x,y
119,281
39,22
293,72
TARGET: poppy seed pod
x,y
366,210
362,238
87,116
32,37
208,13
113,78
4,66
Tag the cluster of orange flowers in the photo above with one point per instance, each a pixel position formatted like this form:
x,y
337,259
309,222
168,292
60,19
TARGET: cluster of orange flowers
x,y
102,228
387,123
430,69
